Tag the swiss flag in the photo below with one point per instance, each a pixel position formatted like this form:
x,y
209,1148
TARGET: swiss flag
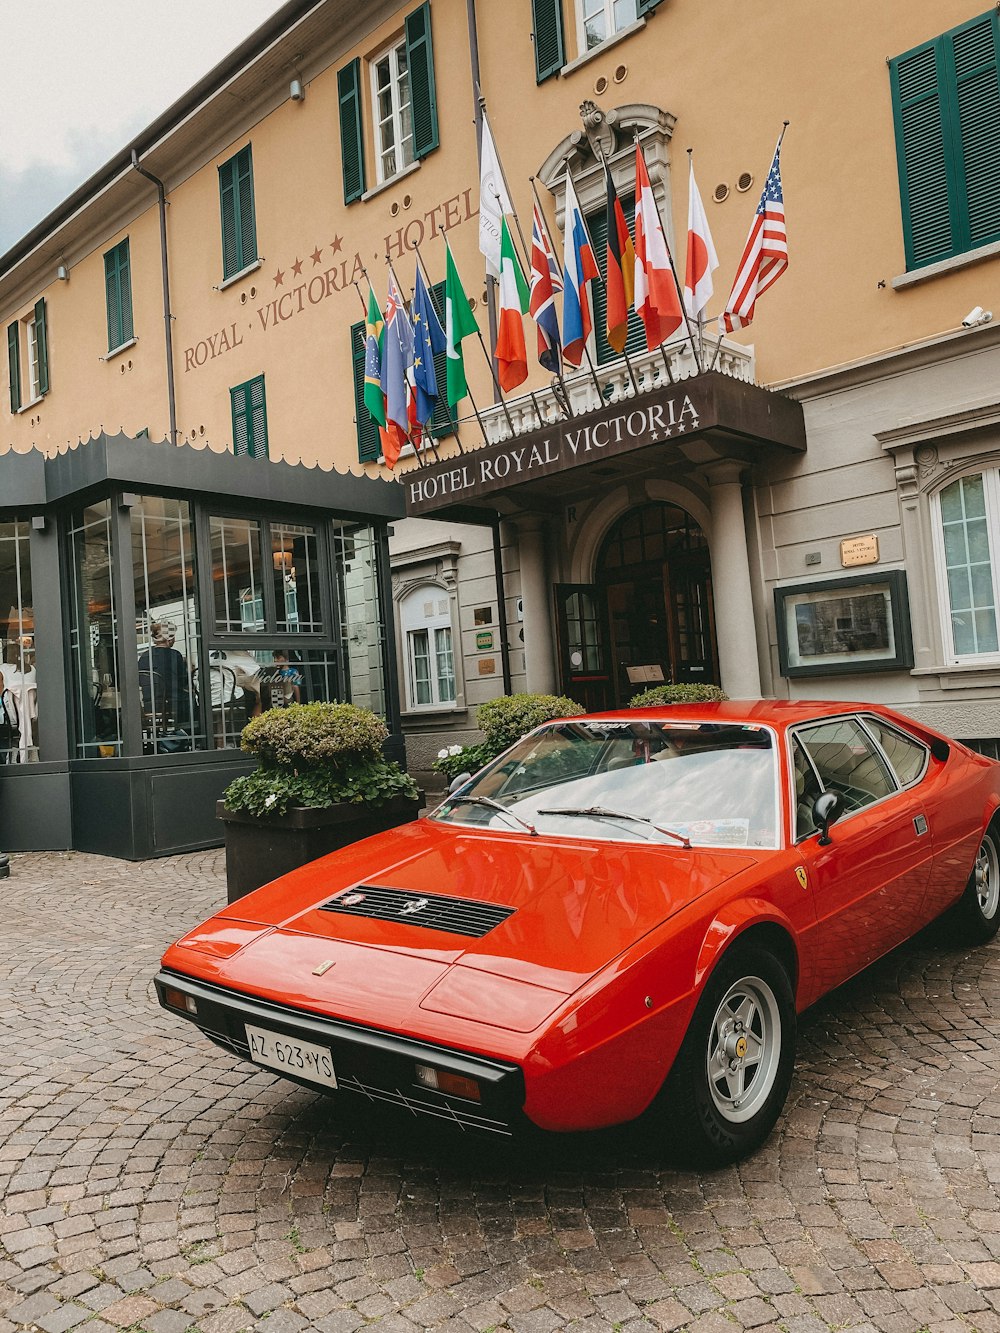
x,y
656,298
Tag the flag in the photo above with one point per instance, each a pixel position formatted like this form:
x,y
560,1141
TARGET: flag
x,y
620,282
545,282
656,298
702,260
374,397
428,339
579,267
512,356
491,207
765,255
397,363
459,323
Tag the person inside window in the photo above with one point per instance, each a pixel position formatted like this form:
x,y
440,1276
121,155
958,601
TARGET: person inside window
x,y
164,675
284,680
10,731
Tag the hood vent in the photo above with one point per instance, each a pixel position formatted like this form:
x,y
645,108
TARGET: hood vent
x,y
458,916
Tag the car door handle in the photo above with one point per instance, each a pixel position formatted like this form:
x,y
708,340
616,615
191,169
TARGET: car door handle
x,y
920,824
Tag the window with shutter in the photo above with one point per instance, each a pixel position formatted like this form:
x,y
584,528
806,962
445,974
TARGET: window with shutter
x,y
352,155
38,336
249,409
635,340
369,443
946,107
547,30
420,63
118,290
236,206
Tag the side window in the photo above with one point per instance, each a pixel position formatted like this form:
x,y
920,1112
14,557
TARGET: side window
x,y
907,756
847,762
236,205
807,788
36,357
426,632
967,512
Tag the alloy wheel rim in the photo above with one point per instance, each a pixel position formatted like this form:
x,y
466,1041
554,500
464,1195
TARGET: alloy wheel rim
x,y
744,1049
986,873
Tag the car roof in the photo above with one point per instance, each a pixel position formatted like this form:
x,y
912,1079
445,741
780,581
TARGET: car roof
x,y
779,713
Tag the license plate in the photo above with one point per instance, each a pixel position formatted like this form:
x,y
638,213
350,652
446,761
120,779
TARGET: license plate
x,y
289,1055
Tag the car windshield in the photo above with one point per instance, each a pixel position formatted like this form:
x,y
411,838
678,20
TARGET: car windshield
x,y
703,784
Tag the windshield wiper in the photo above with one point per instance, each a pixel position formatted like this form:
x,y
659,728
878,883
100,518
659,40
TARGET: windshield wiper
x,y
493,805
602,812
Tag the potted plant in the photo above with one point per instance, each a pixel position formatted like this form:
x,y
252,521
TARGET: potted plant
x,y
689,693
322,783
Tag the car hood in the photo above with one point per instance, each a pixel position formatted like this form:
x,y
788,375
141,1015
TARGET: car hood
x,y
570,907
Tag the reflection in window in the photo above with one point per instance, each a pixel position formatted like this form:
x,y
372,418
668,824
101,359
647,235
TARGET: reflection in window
x,y
602,18
94,635
393,120
167,631
425,622
846,762
18,691
295,562
968,567
243,683
363,634
236,575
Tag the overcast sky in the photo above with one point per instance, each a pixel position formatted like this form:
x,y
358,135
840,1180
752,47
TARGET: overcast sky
x,y
79,80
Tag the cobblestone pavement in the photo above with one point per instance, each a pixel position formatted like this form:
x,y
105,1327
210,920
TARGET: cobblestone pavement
x,y
149,1181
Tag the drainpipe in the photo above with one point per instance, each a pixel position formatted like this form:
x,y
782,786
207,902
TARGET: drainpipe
x,y
161,196
501,605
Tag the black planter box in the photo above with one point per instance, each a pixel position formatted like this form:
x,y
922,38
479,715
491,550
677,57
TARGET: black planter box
x,y
259,850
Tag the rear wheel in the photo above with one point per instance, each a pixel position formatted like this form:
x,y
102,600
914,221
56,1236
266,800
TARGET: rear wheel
x,y
976,915
731,1078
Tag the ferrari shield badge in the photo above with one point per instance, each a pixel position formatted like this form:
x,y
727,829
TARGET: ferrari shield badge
x,y
802,876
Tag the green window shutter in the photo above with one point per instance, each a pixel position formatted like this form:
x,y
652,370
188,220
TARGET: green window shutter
x,y
369,442
423,97
647,6
443,421
118,289
547,29
249,407
14,365
42,344
977,98
635,339
922,155
352,153
236,206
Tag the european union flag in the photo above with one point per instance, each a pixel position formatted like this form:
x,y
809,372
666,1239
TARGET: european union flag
x,y
428,339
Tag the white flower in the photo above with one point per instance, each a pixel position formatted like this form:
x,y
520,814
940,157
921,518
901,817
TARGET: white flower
x,y
454,749
270,800
442,754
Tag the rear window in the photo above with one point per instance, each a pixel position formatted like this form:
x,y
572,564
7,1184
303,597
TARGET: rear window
x,y
907,756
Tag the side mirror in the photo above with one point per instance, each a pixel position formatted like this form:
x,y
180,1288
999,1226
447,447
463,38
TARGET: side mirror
x,y
459,782
827,807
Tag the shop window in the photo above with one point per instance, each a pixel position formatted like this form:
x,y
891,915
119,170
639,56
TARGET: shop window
x,y
946,107
94,635
249,408
356,560
967,515
118,294
236,207
426,629
404,106
28,357
18,691
167,628
256,594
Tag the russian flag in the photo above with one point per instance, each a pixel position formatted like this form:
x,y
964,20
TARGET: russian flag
x,y
579,267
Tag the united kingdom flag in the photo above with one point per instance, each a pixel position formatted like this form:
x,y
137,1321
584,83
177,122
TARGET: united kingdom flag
x,y
545,282
765,255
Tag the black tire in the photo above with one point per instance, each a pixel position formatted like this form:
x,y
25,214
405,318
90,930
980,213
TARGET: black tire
x,y
731,1077
976,915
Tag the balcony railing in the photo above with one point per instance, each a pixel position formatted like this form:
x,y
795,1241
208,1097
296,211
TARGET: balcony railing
x,y
671,363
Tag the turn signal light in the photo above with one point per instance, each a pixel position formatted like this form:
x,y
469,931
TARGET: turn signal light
x,y
178,1000
453,1084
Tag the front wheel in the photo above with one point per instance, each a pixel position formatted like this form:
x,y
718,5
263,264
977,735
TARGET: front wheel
x,y
731,1077
976,915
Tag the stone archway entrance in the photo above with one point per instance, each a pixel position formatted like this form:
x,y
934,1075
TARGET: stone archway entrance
x,y
648,616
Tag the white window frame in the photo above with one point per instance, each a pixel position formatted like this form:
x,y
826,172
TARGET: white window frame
x,y
612,28
414,620
31,343
402,143
991,492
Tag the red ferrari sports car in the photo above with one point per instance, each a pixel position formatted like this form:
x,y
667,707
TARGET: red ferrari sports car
x,y
623,913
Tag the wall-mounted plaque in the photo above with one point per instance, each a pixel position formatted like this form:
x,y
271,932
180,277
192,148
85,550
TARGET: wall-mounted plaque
x,y
859,550
484,639
487,666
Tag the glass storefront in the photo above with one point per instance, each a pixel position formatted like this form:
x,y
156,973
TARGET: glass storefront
x,y
94,635
18,688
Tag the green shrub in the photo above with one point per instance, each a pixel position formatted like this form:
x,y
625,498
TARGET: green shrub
x,y
503,721
678,694
316,755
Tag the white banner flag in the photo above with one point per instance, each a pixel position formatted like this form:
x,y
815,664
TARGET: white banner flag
x,y
494,201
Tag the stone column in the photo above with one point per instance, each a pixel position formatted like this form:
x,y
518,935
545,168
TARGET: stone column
x,y
537,604
731,593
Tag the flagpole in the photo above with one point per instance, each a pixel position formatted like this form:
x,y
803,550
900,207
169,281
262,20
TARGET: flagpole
x,y
354,284
673,270
586,349
628,362
430,293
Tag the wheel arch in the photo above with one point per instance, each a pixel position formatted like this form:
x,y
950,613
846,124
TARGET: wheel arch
x,y
748,922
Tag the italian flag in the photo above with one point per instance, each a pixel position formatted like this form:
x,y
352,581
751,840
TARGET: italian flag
x,y
459,323
512,356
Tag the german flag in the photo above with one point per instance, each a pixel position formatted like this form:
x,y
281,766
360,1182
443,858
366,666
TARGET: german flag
x,y
620,282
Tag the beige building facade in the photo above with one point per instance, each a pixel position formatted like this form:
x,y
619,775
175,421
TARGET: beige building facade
x,y
813,507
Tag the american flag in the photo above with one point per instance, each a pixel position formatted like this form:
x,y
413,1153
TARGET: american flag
x,y
765,255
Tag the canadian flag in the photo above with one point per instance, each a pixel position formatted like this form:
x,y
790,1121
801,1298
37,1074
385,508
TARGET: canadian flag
x,y
701,257
656,298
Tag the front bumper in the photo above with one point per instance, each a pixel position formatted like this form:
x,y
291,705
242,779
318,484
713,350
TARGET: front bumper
x,y
373,1064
